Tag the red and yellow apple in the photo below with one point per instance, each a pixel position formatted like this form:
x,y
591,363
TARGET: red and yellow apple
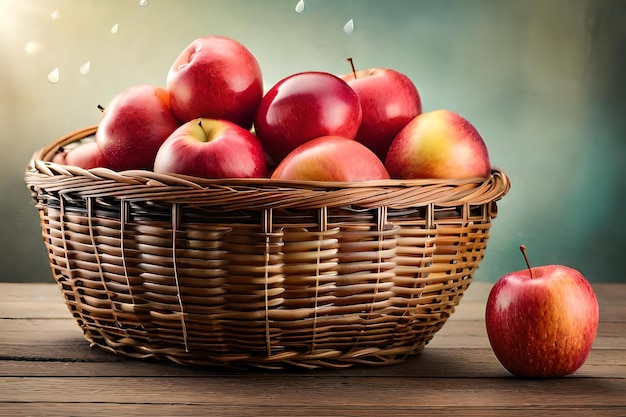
x,y
133,127
212,148
215,77
331,158
542,321
305,106
389,100
438,144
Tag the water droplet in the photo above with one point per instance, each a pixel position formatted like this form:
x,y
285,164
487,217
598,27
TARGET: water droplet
x,y
85,68
53,77
348,28
55,15
115,28
33,48
143,2
300,7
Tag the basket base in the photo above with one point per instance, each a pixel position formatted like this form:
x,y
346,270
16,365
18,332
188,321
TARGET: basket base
x,y
320,358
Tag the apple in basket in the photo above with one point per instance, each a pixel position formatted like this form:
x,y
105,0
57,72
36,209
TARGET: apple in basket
x,y
86,155
212,148
331,158
542,321
133,127
438,144
389,100
305,106
218,78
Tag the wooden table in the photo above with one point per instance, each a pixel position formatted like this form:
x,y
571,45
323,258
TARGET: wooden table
x,y
48,369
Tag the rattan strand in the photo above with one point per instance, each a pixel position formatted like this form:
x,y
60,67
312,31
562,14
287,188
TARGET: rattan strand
x,y
259,272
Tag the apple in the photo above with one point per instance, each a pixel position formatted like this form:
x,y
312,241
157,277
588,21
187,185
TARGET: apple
x,y
134,125
218,78
389,100
331,158
542,321
212,148
305,106
438,144
87,155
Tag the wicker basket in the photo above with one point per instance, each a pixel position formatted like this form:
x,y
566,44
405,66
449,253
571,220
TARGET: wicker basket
x,y
259,272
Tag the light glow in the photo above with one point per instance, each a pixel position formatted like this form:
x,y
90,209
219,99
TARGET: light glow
x,y
33,47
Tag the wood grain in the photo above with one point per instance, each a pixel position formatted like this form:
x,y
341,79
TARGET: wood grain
x,y
47,368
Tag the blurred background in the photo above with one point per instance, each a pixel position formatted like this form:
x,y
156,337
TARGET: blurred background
x,y
543,81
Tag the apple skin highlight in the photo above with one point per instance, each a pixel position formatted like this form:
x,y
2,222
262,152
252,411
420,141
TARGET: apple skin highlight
x,y
542,326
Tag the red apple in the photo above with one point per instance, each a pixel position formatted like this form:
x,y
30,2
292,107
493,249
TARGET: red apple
x,y
389,100
218,78
438,144
542,321
212,148
305,106
86,155
331,158
134,125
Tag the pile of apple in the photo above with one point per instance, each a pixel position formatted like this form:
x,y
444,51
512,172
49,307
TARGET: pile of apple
x,y
214,120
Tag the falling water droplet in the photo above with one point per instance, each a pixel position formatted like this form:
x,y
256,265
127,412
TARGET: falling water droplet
x,y
115,28
85,68
300,7
53,77
55,15
348,28
143,2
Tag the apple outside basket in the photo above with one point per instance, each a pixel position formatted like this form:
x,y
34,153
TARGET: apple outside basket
x,y
259,273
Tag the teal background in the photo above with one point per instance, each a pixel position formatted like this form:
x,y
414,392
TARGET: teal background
x,y
542,80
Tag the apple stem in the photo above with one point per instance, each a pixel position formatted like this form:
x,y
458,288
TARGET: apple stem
x,y
100,108
352,65
523,249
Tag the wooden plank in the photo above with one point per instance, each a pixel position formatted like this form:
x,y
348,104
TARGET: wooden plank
x,y
32,301
49,337
35,310
47,368
609,294
284,409
335,393
14,292
46,301
56,309
432,363
473,334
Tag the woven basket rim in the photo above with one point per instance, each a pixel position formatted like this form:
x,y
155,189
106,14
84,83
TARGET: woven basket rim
x,y
41,164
